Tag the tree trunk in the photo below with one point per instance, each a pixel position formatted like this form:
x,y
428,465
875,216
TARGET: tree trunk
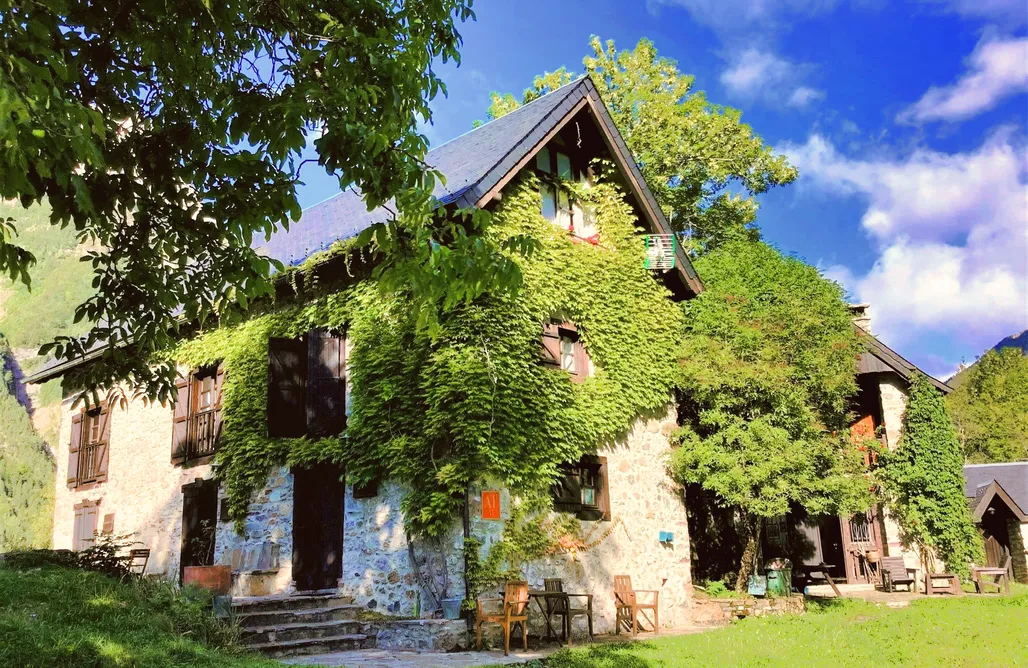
x,y
749,554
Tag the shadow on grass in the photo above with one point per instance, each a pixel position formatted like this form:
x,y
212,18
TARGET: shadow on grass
x,y
612,655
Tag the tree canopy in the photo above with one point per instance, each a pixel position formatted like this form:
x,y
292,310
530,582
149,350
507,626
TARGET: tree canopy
x,y
924,479
170,135
767,370
989,407
702,163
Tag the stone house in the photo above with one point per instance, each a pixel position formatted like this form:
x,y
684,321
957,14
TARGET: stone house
x,y
845,544
147,470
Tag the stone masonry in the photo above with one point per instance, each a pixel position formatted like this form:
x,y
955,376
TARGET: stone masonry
x,y
144,491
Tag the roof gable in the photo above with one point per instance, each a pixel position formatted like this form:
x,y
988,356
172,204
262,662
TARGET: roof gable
x,y
880,358
476,166
1012,477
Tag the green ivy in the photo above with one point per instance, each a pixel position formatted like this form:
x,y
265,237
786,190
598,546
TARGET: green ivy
x,y
469,399
925,479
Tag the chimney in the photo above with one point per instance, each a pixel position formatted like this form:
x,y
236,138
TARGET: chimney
x,y
861,316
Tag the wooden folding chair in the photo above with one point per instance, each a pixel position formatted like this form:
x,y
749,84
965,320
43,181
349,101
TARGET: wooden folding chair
x,y
562,607
628,607
514,611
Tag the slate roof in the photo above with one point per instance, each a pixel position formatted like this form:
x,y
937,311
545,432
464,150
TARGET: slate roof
x,y
880,358
465,161
473,164
1011,476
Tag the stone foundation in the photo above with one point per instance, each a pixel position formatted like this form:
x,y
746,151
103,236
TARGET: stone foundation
x,y
719,611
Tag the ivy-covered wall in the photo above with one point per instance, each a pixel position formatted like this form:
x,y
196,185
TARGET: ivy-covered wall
x,y
472,400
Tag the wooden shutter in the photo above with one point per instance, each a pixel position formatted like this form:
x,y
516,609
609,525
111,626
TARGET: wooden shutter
x,y
567,492
581,371
73,449
551,345
180,423
326,383
603,493
108,526
219,383
105,443
78,528
287,387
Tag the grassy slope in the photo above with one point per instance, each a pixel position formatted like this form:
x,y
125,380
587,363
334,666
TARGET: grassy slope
x,y
54,617
969,631
29,318
26,477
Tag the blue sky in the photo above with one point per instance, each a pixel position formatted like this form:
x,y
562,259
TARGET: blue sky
x,y
907,121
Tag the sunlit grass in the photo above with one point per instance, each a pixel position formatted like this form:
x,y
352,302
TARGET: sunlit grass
x,y
967,631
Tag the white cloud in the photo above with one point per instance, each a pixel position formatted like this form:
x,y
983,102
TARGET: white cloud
x,y
997,69
740,16
803,96
952,235
757,74
1012,12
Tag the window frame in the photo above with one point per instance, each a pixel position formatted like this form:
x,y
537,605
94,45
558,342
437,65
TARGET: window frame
x,y
572,482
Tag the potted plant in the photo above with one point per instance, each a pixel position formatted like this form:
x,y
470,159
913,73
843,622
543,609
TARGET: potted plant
x,y
216,579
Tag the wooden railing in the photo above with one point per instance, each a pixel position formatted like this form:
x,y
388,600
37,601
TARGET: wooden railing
x,y
204,438
89,462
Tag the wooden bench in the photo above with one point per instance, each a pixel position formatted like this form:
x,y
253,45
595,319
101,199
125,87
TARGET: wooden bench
x,y
992,577
953,587
895,572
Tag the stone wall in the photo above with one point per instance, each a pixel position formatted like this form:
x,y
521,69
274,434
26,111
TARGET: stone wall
x,y
644,502
144,491
719,611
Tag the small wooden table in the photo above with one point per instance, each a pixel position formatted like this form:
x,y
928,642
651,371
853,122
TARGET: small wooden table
x,y
1000,579
953,588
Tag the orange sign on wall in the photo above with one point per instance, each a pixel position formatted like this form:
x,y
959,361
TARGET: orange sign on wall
x,y
490,504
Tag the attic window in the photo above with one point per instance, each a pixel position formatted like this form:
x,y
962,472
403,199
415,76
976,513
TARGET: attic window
x,y
554,166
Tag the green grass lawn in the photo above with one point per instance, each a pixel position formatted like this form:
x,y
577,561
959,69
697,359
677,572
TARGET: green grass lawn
x,y
967,631
57,617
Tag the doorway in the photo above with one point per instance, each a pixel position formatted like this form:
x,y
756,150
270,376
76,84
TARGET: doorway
x,y
318,493
199,524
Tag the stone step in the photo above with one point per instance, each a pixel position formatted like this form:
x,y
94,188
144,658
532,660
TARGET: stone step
x,y
324,645
252,604
264,618
262,635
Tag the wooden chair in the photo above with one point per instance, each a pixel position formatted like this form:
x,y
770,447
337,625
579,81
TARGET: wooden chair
x,y
137,560
895,572
561,607
992,577
626,601
515,611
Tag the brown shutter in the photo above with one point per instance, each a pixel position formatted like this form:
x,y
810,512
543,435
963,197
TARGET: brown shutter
x,y
567,491
551,345
326,384
180,423
105,443
219,383
78,528
603,494
581,371
108,523
73,449
287,387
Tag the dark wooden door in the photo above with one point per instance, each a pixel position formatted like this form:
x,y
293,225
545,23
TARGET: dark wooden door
x,y
317,526
199,523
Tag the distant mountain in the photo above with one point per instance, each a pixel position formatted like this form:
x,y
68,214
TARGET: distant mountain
x,y
1014,341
